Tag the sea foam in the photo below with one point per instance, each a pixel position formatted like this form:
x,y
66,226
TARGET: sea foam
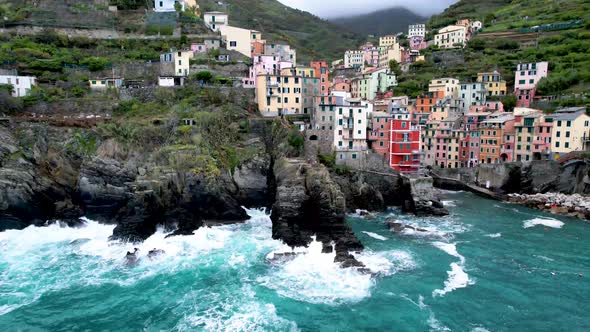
x,y
457,277
548,222
375,236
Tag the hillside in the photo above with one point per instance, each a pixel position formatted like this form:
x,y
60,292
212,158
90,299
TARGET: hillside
x,y
381,22
505,41
313,37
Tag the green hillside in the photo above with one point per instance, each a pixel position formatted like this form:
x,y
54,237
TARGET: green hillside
x,y
507,40
313,37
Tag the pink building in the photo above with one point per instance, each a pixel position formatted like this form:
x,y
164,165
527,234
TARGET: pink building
x,y
495,106
526,78
378,136
199,48
370,54
417,43
264,64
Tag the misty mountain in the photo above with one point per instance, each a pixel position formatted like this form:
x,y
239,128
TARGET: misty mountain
x,y
382,22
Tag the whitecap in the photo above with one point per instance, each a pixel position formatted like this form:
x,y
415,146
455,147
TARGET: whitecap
x,y
314,277
494,235
449,203
457,278
386,262
375,236
548,222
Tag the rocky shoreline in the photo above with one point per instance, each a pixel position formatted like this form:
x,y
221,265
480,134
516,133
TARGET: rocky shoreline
x,y
39,183
575,205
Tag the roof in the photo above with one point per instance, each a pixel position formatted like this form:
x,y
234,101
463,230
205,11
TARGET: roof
x,y
223,13
500,119
570,113
525,111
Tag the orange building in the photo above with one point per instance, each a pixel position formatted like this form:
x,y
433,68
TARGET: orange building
x,y
321,71
425,102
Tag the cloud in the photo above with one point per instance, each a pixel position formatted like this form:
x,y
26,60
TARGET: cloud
x,y
335,8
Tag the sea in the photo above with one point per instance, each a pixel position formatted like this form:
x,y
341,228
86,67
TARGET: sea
x,y
488,266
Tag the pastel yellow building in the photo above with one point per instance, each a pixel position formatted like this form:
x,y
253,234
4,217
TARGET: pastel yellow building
x,y
571,131
495,85
240,40
452,36
387,41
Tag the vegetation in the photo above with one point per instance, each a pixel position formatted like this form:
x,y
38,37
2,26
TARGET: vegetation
x,y
565,50
313,37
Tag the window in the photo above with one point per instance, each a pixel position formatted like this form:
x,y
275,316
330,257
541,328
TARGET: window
x,y
380,143
569,124
521,81
233,43
556,144
567,134
354,156
567,145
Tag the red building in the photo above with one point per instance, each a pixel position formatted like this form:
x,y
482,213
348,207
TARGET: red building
x,y
404,144
378,136
321,72
524,97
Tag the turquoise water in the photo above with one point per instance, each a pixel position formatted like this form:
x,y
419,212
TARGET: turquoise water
x,y
488,267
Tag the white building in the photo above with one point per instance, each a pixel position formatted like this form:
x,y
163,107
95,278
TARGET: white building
x,y
452,36
476,26
416,30
350,131
472,94
21,85
215,20
167,5
354,59
105,83
449,86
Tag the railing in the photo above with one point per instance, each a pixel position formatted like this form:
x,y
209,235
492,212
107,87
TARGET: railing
x,y
354,148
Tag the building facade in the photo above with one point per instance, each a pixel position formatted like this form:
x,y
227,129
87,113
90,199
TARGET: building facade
x,y
452,36
215,20
416,30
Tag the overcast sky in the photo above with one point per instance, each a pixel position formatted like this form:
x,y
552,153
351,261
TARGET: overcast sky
x,y
335,8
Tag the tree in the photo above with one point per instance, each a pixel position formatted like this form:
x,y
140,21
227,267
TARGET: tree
x,y
509,102
395,68
204,76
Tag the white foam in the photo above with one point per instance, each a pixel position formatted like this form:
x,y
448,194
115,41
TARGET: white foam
x,y
449,203
457,278
548,222
375,236
314,277
449,248
386,262
494,235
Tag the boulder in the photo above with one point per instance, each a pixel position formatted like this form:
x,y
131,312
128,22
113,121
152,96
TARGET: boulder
x,y
309,203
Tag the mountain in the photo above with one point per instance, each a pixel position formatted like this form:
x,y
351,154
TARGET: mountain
x,y
382,22
472,9
313,37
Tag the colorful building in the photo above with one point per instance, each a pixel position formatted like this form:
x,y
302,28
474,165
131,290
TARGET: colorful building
x,y
532,136
239,40
449,86
215,20
321,72
404,143
447,109
280,93
199,48
472,94
354,59
284,52
416,30
371,83
526,77
264,64
21,85
571,131
387,41
452,36
492,137
495,85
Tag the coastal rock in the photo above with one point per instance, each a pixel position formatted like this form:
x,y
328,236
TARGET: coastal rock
x,y
575,205
398,227
309,203
420,197
252,180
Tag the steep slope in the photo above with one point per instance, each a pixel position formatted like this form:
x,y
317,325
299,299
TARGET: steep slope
x,y
313,37
381,22
507,40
